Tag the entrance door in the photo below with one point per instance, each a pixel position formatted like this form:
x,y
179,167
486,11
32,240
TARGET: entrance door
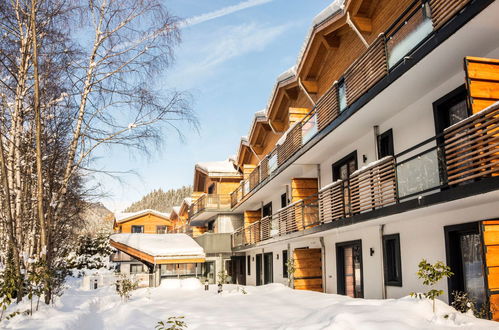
x,y
258,273
268,268
238,270
465,258
349,269
308,269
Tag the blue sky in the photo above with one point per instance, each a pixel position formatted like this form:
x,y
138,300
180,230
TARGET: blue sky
x,y
229,58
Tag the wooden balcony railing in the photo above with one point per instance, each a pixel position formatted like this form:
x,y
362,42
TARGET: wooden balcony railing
x,y
463,153
407,32
210,202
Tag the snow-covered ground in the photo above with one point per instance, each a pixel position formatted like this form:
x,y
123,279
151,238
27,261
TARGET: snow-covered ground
x,y
271,306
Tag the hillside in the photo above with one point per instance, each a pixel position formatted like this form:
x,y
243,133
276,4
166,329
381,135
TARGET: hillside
x,y
161,200
96,218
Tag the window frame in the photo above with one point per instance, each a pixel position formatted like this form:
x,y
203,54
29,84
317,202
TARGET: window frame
x,y
285,273
162,226
284,200
267,206
387,134
336,165
137,226
248,261
398,260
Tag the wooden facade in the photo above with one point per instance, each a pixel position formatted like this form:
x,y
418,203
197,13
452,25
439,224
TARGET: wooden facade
x,y
308,269
150,222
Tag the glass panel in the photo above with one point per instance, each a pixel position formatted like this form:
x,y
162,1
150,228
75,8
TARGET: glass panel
x,y
272,163
348,271
246,187
458,112
410,33
358,271
471,251
419,174
342,96
309,128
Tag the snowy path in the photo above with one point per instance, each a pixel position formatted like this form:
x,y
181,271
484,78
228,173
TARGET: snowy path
x,y
267,307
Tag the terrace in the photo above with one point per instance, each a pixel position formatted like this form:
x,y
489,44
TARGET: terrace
x,y
464,154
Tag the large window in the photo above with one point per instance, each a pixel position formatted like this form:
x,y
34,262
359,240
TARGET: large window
x,y
267,210
136,269
450,109
285,263
385,144
161,230
137,229
343,168
391,260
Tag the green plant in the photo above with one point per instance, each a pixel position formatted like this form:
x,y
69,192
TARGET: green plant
x,y
462,302
290,264
222,277
172,323
431,274
125,286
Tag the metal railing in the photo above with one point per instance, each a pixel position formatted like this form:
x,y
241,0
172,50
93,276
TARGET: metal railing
x,y
463,153
210,202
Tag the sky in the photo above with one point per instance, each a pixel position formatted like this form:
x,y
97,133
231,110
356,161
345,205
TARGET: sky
x,y
231,54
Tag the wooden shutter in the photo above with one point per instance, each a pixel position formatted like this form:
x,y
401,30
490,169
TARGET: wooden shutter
x,y
490,231
482,82
308,269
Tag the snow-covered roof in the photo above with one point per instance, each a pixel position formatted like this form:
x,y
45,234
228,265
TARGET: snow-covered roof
x,y
286,75
187,201
176,209
218,168
125,216
166,246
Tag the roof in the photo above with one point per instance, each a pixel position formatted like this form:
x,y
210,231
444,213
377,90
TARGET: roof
x,y
126,216
176,209
218,168
162,246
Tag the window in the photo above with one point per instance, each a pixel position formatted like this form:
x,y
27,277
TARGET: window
x,y
285,263
450,109
385,144
342,95
211,189
249,264
343,168
137,229
161,230
267,210
391,260
211,226
284,200
136,269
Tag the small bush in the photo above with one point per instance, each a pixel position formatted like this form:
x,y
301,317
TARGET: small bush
x,y
172,323
125,286
463,303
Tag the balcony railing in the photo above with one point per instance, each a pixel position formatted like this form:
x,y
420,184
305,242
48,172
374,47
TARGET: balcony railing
x,y
420,19
463,153
210,202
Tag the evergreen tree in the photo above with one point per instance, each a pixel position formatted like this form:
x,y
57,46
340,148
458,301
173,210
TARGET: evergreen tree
x,y
161,200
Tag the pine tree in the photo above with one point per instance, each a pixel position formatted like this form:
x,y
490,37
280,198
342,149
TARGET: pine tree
x,y
161,200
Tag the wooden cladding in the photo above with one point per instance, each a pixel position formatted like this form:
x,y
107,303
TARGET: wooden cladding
x,y
366,70
443,10
472,147
290,145
302,188
331,202
327,107
490,232
308,269
374,186
482,82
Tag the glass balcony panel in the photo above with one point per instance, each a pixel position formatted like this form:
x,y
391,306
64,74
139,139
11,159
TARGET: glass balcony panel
x,y
309,128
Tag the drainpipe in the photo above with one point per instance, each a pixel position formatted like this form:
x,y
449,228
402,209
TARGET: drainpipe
x,y
324,277
381,233
306,92
352,25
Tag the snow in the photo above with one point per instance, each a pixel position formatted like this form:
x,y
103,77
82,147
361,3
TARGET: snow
x,y
124,216
272,306
225,168
371,165
161,245
176,209
326,187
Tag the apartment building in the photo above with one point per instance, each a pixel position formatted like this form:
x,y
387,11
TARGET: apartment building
x,y
380,148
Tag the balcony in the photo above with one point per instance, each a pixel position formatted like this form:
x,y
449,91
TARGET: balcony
x,y
207,206
464,153
407,33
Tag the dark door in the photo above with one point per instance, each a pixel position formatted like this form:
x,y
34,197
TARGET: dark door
x,y
349,269
268,268
267,210
258,272
342,170
450,109
465,258
238,271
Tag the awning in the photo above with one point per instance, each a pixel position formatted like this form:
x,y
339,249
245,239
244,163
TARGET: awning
x,y
159,248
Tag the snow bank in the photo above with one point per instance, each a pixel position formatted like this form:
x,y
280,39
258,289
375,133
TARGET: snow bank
x,y
271,306
161,245
187,284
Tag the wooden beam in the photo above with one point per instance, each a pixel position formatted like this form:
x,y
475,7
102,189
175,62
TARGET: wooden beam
x,y
363,24
311,86
331,40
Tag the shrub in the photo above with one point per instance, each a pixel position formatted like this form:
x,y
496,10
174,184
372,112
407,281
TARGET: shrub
x,y
431,274
124,286
173,323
